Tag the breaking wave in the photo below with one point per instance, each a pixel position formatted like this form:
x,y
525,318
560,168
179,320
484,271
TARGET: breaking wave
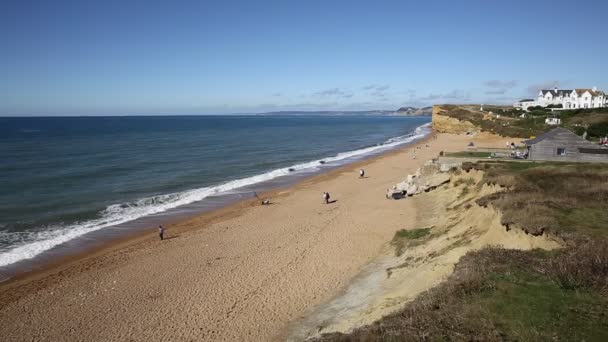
x,y
31,244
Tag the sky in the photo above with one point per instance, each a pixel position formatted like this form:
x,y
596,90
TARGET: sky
x,y
214,57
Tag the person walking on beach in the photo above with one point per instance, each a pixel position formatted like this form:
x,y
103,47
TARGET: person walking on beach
x,y
161,232
361,173
326,197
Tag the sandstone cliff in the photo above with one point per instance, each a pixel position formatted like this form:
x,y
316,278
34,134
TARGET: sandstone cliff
x,y
446,124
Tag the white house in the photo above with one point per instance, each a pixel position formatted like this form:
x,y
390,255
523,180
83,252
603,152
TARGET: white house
x,y
567,98
553,121
525,103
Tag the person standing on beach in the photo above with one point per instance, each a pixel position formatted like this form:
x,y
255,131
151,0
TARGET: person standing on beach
x,y
326,197
161,232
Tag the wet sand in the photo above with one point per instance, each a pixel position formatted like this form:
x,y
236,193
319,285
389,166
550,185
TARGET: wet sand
x,y
241,273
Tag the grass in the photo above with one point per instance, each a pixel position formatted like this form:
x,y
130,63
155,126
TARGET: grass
x,y
560,198
527,306
407,238
466,154
463,192
511,295
594,121
590,220
507,127
466,181
499,295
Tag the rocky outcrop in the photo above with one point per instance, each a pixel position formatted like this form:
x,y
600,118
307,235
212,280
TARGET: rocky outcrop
x,y
446,124
426,178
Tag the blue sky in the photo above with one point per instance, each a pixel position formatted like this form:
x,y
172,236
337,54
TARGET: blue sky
x,y
205,57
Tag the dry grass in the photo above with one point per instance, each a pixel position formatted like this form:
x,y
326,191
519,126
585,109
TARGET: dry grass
x,y
523,128
408,238
540,197
466,181
497,295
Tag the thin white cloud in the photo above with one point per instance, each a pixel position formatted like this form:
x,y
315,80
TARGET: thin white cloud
x,y
333,92
501,84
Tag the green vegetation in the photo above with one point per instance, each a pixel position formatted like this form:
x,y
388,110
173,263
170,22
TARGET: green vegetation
x,y
544,196
594,121
504,126
467,154
503,295
406,238
511,295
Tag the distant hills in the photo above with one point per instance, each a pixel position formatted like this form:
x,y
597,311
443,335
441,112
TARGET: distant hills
x,y
403,111
413,111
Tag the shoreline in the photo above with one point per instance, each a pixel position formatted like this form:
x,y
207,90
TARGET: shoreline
x,y
223,212
98,239
302,244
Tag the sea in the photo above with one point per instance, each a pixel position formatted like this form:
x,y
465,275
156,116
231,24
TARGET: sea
x,y
68,183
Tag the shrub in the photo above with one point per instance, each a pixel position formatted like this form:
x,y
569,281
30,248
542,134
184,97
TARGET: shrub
x,y
598,129
579,130
539,108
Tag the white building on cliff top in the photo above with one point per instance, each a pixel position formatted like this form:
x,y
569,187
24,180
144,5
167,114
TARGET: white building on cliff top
x,y
568,99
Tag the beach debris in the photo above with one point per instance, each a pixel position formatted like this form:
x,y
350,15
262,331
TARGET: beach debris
x,y
321,161
291,169
266,201
394,193
426,178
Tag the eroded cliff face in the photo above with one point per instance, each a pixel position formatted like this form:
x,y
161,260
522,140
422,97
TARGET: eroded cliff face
x,y
446,124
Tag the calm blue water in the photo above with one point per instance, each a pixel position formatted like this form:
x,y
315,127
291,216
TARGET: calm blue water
x,y
61,178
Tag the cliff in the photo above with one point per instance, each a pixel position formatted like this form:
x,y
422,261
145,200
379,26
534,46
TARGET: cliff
x,y
442,123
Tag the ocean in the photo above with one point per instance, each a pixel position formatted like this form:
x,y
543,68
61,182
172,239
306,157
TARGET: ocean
x,y
71,181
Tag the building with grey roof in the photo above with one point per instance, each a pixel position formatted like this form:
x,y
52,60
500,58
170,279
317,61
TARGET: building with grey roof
x,y
560,144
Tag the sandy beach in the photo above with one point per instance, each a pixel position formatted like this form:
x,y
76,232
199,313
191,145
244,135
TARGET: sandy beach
x,y
242,273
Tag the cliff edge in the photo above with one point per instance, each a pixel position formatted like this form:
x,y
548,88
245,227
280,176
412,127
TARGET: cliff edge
x,y
443,123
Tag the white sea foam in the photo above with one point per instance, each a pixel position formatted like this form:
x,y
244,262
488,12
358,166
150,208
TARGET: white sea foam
x,y
35,243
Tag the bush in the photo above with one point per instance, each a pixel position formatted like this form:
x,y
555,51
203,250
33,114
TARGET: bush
x,y
598,129
533,108
579,130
